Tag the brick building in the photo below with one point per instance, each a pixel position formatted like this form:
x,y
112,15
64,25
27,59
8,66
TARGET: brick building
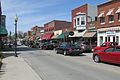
x,y
109,22
35,33
55,28
83,23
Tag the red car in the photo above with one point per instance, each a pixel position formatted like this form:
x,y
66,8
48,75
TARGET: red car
x,y
104,46
111,55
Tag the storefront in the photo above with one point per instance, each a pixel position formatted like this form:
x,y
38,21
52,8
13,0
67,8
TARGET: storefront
x,y
108,35
78,36
91,38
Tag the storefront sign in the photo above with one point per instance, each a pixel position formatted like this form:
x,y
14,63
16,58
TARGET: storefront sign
x,y
110,33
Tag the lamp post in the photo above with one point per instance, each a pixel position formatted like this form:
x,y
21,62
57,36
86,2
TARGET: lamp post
x,y
16,20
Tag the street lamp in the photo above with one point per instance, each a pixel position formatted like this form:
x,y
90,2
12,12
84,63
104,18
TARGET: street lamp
x,y
16,20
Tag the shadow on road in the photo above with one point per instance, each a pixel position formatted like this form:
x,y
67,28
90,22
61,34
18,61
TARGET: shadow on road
x,y
118,65
77,55
6,54
20,48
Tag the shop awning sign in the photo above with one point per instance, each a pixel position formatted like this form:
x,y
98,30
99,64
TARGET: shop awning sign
x,y
110,33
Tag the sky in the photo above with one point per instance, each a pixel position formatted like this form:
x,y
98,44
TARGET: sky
x,y
38,12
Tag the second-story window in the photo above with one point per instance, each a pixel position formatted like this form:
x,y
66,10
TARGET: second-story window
x,y
102,20
82,20
111,18
78,21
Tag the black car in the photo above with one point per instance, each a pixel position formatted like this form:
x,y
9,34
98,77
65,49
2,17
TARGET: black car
x,y
69,49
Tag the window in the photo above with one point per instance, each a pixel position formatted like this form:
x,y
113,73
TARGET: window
x,y
118,16
109,50
108,38
105,39
117,39
78,21
75,22
102,20
111,18
101,39
82,20
117,49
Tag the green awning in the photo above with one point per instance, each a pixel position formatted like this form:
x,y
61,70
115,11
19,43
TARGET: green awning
x,y
3,31
62,36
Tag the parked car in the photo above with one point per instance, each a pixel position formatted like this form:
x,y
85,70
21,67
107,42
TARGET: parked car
x,y
85,46
111,55
69,49
46,46
104,46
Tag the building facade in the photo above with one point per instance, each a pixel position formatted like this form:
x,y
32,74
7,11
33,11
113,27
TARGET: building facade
x,y
56,27
83,23
35,33
108,28
3,30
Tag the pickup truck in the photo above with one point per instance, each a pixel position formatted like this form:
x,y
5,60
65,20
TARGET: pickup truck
x,y
104,46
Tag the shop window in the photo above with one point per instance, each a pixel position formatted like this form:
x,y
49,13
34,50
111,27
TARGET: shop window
x,y
113,38
102,20
105,39
108,38
101,39
117,39
111,18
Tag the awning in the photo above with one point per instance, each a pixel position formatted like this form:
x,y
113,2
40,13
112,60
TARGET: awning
x,y
56,34
46,36
89,34
110,12
118,11
3,31
62,36
78,34
101,14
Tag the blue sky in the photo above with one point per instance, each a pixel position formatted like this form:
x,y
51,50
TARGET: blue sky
x,y
39,12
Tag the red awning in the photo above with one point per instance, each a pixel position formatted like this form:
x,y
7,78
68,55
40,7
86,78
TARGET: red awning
x,y
47,36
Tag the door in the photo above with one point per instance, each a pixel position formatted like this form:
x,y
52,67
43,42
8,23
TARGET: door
x,y
116,56
106,54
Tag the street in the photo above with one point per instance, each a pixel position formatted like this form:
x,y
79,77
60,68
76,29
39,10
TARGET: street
x,y
51,66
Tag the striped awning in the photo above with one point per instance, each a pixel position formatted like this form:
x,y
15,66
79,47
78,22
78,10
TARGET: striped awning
x,y
89,34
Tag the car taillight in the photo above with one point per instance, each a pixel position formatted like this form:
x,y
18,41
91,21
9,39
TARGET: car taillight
x,y
70,49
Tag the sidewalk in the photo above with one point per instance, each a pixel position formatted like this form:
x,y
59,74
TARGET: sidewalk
x,y
17,69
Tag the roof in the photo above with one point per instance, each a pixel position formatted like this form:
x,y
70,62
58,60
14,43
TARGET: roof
x,y
108,2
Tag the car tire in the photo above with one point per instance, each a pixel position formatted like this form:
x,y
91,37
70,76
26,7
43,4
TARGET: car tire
x,y
65,53
96,59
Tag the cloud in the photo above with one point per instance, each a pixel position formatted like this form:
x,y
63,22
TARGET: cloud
x,y
29,12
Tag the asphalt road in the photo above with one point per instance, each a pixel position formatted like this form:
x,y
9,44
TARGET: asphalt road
x,y
51,66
